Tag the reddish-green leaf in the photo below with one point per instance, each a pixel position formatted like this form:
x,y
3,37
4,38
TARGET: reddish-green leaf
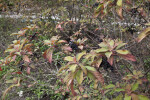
x,y
47,42
143,34
63,68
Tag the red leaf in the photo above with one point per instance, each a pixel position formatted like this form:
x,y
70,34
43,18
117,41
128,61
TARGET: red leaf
x,y
28,70
72,90
67,48
26,58
14,57
48,55
1,69
128,57
128,2
18,72
59,27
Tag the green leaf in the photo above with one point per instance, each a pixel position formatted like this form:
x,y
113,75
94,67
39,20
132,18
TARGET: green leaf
x,y
10,50
119,97
119,3
83,68
90,68
103,45
108,54
73,67
135,86
127,97
120,45
143,34
142,97
68,58
109,86
79,76
101,50
119,90
47,42
10,81
123,52
79,55
91,76
111,43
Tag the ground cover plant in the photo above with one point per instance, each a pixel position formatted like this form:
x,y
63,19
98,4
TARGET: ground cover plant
x,y
78,49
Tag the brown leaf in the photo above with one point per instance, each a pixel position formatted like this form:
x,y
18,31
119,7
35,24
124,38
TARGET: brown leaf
x,y
128,57
72,89
48,55
99,77
128,2
142,12
134,96
119,12
110,60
